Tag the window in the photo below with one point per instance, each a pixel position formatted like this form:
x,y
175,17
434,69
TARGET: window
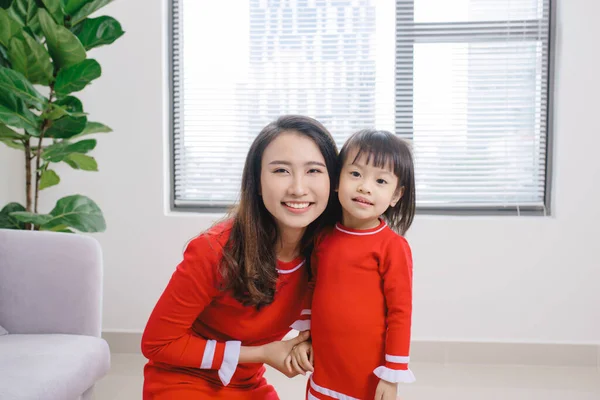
x,y
465,81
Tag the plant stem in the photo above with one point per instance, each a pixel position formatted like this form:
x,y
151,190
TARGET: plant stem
x,y
38,173
27,178
28,173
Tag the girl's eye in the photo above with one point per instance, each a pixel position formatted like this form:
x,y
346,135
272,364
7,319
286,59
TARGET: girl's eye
x,y
355,174
280,171
314,171
381,181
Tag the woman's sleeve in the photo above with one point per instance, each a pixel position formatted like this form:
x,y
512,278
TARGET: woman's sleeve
x,y
397,271
303,322
168,337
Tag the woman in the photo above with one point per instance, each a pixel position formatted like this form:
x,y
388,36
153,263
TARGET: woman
x,y
242,283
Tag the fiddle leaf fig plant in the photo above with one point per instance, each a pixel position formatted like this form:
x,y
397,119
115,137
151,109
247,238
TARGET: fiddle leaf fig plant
x,y
44,63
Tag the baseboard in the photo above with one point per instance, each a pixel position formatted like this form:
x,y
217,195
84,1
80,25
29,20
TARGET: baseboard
x,y
123,342
571,355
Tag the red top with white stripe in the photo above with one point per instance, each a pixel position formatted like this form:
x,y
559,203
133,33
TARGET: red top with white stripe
x,y
197,329
361,312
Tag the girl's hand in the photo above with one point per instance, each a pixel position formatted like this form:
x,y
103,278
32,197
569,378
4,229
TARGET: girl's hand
x,y
300,359
386,390
275,353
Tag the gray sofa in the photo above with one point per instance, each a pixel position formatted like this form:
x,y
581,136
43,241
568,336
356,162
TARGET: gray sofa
x,y
51,312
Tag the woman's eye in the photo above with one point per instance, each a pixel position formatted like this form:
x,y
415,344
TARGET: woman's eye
x,y
280,171
314,171
381,181
355,174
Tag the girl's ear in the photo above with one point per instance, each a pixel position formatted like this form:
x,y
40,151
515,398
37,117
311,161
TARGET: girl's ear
x,y
397,196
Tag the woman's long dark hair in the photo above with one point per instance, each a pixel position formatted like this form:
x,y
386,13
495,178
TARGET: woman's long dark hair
x,y
249,260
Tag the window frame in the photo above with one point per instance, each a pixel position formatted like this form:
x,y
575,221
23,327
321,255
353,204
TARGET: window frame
x,y
174,39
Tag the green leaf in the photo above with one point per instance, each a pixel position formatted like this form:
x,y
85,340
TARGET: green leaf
x,y
31,218
13,112
4,60
59,151
64,47
81,161
13,144
93,127
8,222
63,107
71,103
96,127
55,9
5,3
66,127
11,138
71,163
49,178
76,77
8,27
30,58
88,9
94,32
70,125
60,228
55,112
71,6
17,84
78,212
7,133
25,13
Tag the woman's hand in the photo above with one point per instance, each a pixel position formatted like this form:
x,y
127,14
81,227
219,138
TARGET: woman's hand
x,y
275,353
300,359
386,390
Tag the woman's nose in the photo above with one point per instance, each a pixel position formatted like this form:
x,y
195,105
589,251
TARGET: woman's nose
x,y
298,187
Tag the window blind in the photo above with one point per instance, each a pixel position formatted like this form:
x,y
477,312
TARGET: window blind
x,y
465,81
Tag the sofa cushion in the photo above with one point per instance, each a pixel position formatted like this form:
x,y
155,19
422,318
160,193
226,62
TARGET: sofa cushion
x,y
50,366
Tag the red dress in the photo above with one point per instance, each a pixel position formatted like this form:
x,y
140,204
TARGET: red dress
x,y
361,312
193,336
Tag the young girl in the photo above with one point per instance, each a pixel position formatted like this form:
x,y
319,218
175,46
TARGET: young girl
x,y
242,283
362,302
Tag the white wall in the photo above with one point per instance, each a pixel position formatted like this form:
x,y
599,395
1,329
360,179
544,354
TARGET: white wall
x,y
515,279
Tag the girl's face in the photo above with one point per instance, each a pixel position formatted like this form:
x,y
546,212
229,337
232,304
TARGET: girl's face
x,y
294,181
365,192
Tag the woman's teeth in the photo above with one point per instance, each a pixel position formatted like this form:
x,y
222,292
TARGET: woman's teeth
x,y
297,205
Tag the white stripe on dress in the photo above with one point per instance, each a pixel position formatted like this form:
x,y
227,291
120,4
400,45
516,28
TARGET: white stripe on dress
x,y
329,392
289,271
397,359
209,354
361,233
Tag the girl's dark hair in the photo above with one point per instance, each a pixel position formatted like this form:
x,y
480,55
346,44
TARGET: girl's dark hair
x,y
249,260
386,150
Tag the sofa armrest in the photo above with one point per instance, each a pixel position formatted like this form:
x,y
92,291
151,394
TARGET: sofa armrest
x,y
50,283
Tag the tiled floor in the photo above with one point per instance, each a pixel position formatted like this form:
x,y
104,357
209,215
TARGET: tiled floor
x,y
434,381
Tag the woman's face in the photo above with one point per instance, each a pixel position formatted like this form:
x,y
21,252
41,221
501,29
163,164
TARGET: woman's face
x,y
294,181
